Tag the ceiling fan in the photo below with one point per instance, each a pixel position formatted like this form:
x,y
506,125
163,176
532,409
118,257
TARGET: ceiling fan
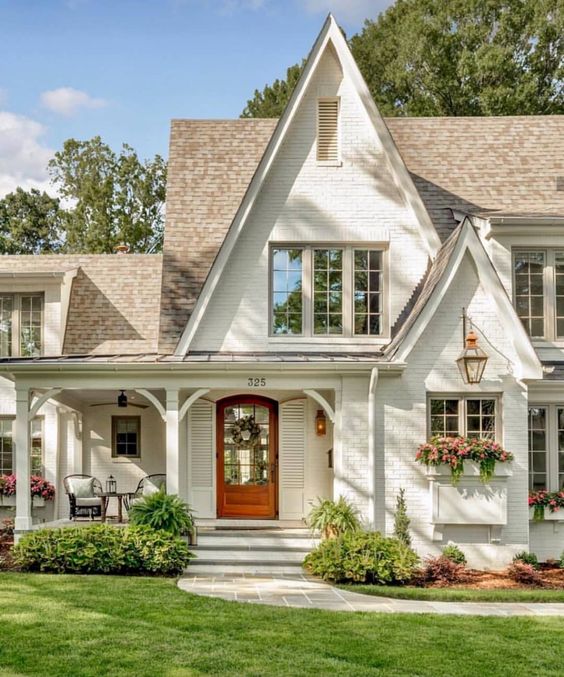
x,y
122,402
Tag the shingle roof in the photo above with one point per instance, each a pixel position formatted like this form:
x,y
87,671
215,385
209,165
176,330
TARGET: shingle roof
x,y
476,165
114,299
211,163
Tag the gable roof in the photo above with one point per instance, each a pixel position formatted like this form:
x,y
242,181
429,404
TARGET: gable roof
x,y
112,305
330,36
443,271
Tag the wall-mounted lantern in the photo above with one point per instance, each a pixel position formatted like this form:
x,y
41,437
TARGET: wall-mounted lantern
x,y
473,359
320,423
122,399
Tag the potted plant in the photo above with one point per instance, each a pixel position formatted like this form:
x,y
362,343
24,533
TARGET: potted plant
x,y
333,518
540,500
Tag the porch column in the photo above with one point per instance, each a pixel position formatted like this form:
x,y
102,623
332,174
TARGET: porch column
x,y
172,442
23,519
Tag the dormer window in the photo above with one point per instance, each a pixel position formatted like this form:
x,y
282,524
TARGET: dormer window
x,y
328,130
21,325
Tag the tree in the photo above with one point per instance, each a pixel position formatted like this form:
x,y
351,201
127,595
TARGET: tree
x,y
270,103
114,198
462,57
401,520
30,223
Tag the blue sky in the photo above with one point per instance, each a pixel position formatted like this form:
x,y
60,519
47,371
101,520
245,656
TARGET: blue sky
x,y
123,68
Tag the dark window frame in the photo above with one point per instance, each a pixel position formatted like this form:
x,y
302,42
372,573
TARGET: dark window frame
x,y
115,421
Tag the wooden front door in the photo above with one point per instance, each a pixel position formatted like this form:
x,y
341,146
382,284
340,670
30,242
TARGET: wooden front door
x,y
247,441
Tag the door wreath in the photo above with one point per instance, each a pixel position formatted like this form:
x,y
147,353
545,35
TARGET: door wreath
x,y
245,432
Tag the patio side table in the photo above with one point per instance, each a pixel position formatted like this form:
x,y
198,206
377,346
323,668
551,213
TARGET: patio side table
x,y
119,495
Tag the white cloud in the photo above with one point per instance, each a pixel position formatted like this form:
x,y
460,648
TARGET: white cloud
x,y
23,157
68,101
347,10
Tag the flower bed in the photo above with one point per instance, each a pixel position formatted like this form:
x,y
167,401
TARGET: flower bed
x,y
539,501
454,451
39,487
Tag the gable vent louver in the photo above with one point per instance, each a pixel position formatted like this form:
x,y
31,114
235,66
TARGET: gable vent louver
x,y
328,130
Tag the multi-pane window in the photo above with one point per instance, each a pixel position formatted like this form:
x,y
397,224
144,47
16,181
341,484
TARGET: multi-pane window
x,y
546,447
21,325
327,291
36,446
469,416
529,290
126,438
538,448
7,447
368,271
287,303
538,288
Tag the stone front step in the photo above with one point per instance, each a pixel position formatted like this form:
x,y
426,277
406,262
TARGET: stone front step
x,y
265,551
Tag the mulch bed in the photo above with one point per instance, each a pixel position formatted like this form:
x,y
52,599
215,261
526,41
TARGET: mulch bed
x,y
552,578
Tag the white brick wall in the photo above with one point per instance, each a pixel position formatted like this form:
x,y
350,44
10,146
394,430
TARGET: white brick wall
x,y
304,202
402,421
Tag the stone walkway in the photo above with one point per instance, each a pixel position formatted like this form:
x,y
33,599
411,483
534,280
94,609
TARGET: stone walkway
x,y
308,593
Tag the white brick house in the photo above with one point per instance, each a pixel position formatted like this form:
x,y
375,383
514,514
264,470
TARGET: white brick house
x,y
314,268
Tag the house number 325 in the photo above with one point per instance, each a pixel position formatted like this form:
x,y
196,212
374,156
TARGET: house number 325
x,y
256,382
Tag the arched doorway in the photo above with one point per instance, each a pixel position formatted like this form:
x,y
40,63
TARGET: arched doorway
x,y
247,456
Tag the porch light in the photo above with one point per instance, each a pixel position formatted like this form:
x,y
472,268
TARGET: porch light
x,y
122,399
111,485
320,423
472,360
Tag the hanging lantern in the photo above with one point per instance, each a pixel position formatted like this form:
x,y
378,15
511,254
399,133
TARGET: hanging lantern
x,y
122,399
320,423
472,360
111,485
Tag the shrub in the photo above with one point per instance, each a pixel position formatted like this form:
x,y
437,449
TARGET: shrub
x,y
333,518
363,557
527,558
162,512
442,570
524,573
401,520
102,549
561,561
454,553
6,529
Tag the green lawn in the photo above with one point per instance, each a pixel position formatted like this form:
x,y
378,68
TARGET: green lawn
x,y
91,626
460,595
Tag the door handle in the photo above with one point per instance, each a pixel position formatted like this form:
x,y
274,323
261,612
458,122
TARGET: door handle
x,y
272,472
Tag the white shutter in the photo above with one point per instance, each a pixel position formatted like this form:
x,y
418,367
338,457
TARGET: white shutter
x,y
292,435
328,130
201,453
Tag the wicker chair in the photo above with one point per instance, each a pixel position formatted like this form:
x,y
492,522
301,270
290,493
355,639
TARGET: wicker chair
x,y
147,485
84,506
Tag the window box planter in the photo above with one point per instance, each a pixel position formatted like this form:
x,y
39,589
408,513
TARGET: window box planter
x,y
10,502
470,502
557,516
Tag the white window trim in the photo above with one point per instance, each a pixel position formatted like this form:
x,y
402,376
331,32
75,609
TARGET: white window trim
x,y
552,442
462,411
41,419
348,335
549,291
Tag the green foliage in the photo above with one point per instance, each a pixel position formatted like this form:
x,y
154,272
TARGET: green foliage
x,y
454,553
270,103
102,549
463,57
363,557
162,512
332,518
401,520
115,198
527,558
30,223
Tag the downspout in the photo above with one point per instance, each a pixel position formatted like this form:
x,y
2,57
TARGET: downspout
x,y
372,446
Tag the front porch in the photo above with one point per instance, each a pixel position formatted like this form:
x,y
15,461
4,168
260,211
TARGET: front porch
x,y
184,430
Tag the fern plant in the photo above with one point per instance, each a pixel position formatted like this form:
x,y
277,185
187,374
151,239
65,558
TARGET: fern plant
x,y
163,512
332,518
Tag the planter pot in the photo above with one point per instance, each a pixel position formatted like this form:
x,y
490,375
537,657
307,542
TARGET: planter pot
x,y
10,502
470,502
38,502
557,516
